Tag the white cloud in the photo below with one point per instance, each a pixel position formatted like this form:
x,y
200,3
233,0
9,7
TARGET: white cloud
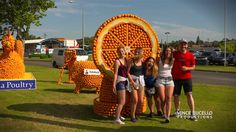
x,y
64,7
181,31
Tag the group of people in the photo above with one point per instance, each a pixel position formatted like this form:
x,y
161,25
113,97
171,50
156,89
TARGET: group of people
x,y
158,78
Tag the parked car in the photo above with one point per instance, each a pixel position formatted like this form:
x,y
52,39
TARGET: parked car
x,y
220,59
90,52
204,58
59,54
232,59
195,53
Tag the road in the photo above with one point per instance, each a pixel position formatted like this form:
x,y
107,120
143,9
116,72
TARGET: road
x,y
205,77
214,78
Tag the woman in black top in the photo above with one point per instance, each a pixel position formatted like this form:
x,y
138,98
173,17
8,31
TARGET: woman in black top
x,y
135,74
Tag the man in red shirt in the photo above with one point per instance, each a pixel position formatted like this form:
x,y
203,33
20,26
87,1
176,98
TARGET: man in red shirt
x,y
183,65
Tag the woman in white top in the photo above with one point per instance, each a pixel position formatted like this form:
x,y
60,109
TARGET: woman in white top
x,y
165,82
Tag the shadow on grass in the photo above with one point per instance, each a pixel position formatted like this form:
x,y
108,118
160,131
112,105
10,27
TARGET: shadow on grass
x,y
63,90
60,90
80,111
93,128
46,81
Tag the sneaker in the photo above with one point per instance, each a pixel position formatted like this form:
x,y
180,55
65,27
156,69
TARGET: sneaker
x,y
167,120
150,115
177,114
159,113
118,121
133,120
122,118
193,118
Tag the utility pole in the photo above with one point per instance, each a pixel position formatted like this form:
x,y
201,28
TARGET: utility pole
x,y
167,33
83,26
225,61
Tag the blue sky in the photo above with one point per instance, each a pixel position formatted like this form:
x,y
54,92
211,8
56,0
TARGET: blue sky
x,y
182,18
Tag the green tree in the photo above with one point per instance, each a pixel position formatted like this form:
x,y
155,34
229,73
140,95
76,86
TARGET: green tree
x,y
199,41
18,15
87,41
230,47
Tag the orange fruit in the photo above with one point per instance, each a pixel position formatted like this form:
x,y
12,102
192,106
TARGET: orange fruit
x,y
128,30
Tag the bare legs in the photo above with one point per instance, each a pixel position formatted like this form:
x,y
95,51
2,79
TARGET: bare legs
x,y
150,104
136,101
121,103
189,99
166,93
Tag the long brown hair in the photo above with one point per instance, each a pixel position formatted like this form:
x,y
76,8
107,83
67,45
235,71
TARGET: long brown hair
x,y
154,69
163,56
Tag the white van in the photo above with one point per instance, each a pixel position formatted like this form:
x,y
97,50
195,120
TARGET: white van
x,y
58,56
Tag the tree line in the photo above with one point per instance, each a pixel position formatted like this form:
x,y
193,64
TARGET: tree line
x,y
18,15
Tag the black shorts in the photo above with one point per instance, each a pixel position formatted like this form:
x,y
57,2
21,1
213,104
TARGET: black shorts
x,y
187,85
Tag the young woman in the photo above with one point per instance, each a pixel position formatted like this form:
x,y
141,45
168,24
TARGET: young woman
x,y
165,81
135,74
150,76
120,83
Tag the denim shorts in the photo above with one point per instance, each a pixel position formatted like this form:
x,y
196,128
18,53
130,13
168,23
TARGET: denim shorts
x,y
121,85
164,81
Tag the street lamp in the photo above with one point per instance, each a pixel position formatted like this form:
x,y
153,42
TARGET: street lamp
x,y
83,26
167,33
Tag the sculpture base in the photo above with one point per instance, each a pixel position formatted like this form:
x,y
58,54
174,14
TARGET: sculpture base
x,y
28,82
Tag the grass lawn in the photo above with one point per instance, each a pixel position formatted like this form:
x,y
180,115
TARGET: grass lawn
x,y
38,59
216,68
54,108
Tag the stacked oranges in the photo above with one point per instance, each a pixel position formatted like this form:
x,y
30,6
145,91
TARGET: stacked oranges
x,y
69,59
85,81
19,48
11,61
130,31
127,30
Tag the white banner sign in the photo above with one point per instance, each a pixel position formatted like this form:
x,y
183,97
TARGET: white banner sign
x,y
91,72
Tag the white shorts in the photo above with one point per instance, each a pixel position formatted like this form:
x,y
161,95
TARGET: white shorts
x,y
164,81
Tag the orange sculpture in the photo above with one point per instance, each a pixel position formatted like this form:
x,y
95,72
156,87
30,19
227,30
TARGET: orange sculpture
x,y
19,48
11,60
85,81
128,30
69,60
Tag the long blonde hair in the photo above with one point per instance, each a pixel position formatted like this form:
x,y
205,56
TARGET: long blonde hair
x,y
118,49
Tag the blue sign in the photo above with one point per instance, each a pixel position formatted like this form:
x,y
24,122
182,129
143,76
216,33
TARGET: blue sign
x,y
17,84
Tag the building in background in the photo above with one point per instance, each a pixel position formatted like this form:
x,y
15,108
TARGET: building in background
x,y
42,46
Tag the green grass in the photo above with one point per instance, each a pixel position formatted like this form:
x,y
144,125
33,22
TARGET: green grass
x,y
38,59
216,68
54,108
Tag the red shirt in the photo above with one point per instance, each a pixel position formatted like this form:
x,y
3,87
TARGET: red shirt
x,y
182,59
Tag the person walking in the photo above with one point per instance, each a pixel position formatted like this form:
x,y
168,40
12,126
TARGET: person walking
x,y
183,65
